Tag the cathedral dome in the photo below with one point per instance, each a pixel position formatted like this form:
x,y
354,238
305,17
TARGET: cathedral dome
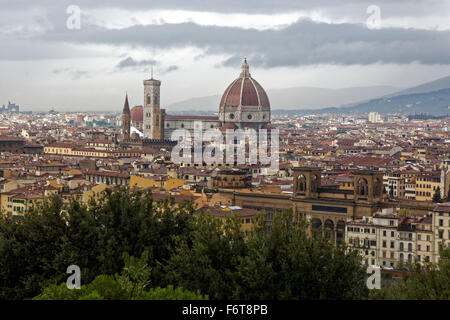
x,y
245,92
137,114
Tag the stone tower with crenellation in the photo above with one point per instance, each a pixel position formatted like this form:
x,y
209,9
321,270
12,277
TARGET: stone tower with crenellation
x,y
151,103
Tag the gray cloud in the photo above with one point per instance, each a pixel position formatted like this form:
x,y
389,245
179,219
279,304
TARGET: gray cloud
x,y
129,62
303,43
171,68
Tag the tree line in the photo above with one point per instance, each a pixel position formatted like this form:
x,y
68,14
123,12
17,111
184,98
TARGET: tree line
x,y
180,254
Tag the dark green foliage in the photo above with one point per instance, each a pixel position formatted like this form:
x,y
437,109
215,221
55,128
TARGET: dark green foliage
x,y
437,195
36,250
185,250
288,264
131,284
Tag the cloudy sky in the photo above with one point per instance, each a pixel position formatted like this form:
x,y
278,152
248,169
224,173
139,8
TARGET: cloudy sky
x,y
48,60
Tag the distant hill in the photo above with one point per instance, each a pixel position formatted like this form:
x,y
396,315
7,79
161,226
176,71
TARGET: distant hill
x,y
434,102
430,98
295,98
436,85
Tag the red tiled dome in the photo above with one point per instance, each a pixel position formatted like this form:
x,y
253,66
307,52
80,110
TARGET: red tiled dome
x,y
137,114
245,91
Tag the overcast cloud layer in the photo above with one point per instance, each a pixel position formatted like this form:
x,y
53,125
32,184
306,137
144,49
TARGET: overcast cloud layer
x,y
288,43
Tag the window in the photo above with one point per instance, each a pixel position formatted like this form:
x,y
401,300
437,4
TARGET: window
x,y
149,100
384,244
441,223
392,233
384,233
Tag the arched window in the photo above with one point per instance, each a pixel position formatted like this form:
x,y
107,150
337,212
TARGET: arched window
x,y
155,99
401,246
409,247
301,183
149,99
362,187
314,183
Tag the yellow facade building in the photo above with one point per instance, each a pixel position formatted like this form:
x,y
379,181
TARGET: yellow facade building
x,y
426,185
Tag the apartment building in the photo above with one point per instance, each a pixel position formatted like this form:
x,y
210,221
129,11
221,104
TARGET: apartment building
x,y
387,224
441,228
424,239
406,241
386,240
362,235
426,185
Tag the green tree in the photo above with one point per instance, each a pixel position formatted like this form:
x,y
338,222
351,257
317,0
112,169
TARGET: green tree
x,y
28,247
37,248
437,195
287,264
130,284
183,249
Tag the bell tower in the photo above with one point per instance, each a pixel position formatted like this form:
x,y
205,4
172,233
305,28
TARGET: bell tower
x,y
126,118
151,103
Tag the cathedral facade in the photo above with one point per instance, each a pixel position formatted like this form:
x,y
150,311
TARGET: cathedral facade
x,y
244,105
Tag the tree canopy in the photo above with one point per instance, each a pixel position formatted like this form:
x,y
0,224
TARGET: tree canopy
x,y
190,254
